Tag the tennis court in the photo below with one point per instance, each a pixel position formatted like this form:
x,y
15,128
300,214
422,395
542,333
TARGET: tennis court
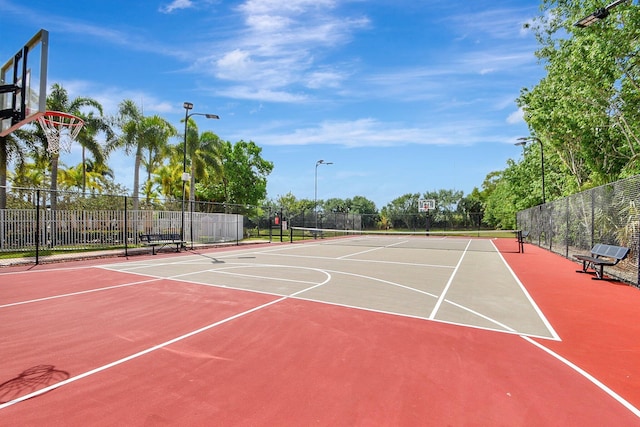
x,y
359,330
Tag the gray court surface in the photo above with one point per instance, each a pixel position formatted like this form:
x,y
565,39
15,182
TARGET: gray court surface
x,y
458,281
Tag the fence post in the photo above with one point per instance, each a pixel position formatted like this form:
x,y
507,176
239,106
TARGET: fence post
x,y
270,227
37,225
191,221
566,231
593,214
638,266
126,229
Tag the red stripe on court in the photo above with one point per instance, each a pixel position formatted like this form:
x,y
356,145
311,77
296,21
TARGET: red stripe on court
x,y
598,321
38,284
292,362
301,363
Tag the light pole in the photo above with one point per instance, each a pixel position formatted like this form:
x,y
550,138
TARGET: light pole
x,y
522,142
598,15
315,199
185,176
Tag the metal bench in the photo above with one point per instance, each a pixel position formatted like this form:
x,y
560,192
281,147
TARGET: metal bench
x,y
521,235
602,255
161,240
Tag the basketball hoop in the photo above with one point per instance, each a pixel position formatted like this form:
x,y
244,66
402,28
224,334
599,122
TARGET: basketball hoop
x,y
56,124
425,205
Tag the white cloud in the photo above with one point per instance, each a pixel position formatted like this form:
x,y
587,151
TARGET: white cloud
x,y
261,94
498,23
110,97
369,132
280,46
516,117
323,79
252,7
175,5
234,64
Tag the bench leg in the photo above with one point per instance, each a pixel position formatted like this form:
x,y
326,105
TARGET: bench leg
x,y
584,267
600,273
598,269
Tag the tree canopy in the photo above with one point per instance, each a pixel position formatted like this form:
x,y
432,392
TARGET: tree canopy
x,y
584,113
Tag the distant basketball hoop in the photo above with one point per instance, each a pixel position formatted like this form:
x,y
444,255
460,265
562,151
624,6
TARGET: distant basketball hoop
x,y
61,129
425,205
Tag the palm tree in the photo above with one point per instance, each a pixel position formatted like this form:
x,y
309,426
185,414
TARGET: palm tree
x,y
203,152
139,133
93,125
71,177
168,177
58,100
155,156
30,175
12,146
99,174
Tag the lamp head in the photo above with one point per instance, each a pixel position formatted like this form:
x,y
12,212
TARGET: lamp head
x,y
187,105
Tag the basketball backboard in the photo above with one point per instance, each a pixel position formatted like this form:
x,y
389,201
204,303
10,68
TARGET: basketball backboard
x,y
426,205
23,84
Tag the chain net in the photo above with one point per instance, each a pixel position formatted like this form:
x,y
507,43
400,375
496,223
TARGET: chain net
x,y
61,130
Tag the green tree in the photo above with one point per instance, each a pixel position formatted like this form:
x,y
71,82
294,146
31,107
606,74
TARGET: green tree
x,y
168,178
402,211
472,208
243,177
94,124
12,148
335,204
58,100
585,110
367,209
140,133
203,156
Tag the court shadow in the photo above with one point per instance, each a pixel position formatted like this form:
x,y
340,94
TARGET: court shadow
x,y
30,380
213,260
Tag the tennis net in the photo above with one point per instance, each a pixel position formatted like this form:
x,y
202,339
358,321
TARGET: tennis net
x,y
470,240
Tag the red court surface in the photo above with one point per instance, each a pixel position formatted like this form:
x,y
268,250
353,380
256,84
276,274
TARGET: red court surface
x,y
89,346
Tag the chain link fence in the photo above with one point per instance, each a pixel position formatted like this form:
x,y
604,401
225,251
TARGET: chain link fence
x,y
608,214
39,222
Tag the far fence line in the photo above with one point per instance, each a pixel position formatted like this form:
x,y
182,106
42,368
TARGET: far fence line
x,y
607,214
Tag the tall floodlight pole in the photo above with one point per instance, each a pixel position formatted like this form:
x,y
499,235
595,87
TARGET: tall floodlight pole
x,y
185,176
315,200
523,141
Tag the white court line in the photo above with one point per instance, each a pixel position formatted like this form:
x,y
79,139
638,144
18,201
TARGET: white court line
x,y
505,328
448,285
154,348
541,315
49,270
371,250
363,260
106,288
579,370
635,411
181,277
221,270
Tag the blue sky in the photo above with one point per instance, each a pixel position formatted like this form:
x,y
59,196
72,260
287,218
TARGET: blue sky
x,y
403,96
